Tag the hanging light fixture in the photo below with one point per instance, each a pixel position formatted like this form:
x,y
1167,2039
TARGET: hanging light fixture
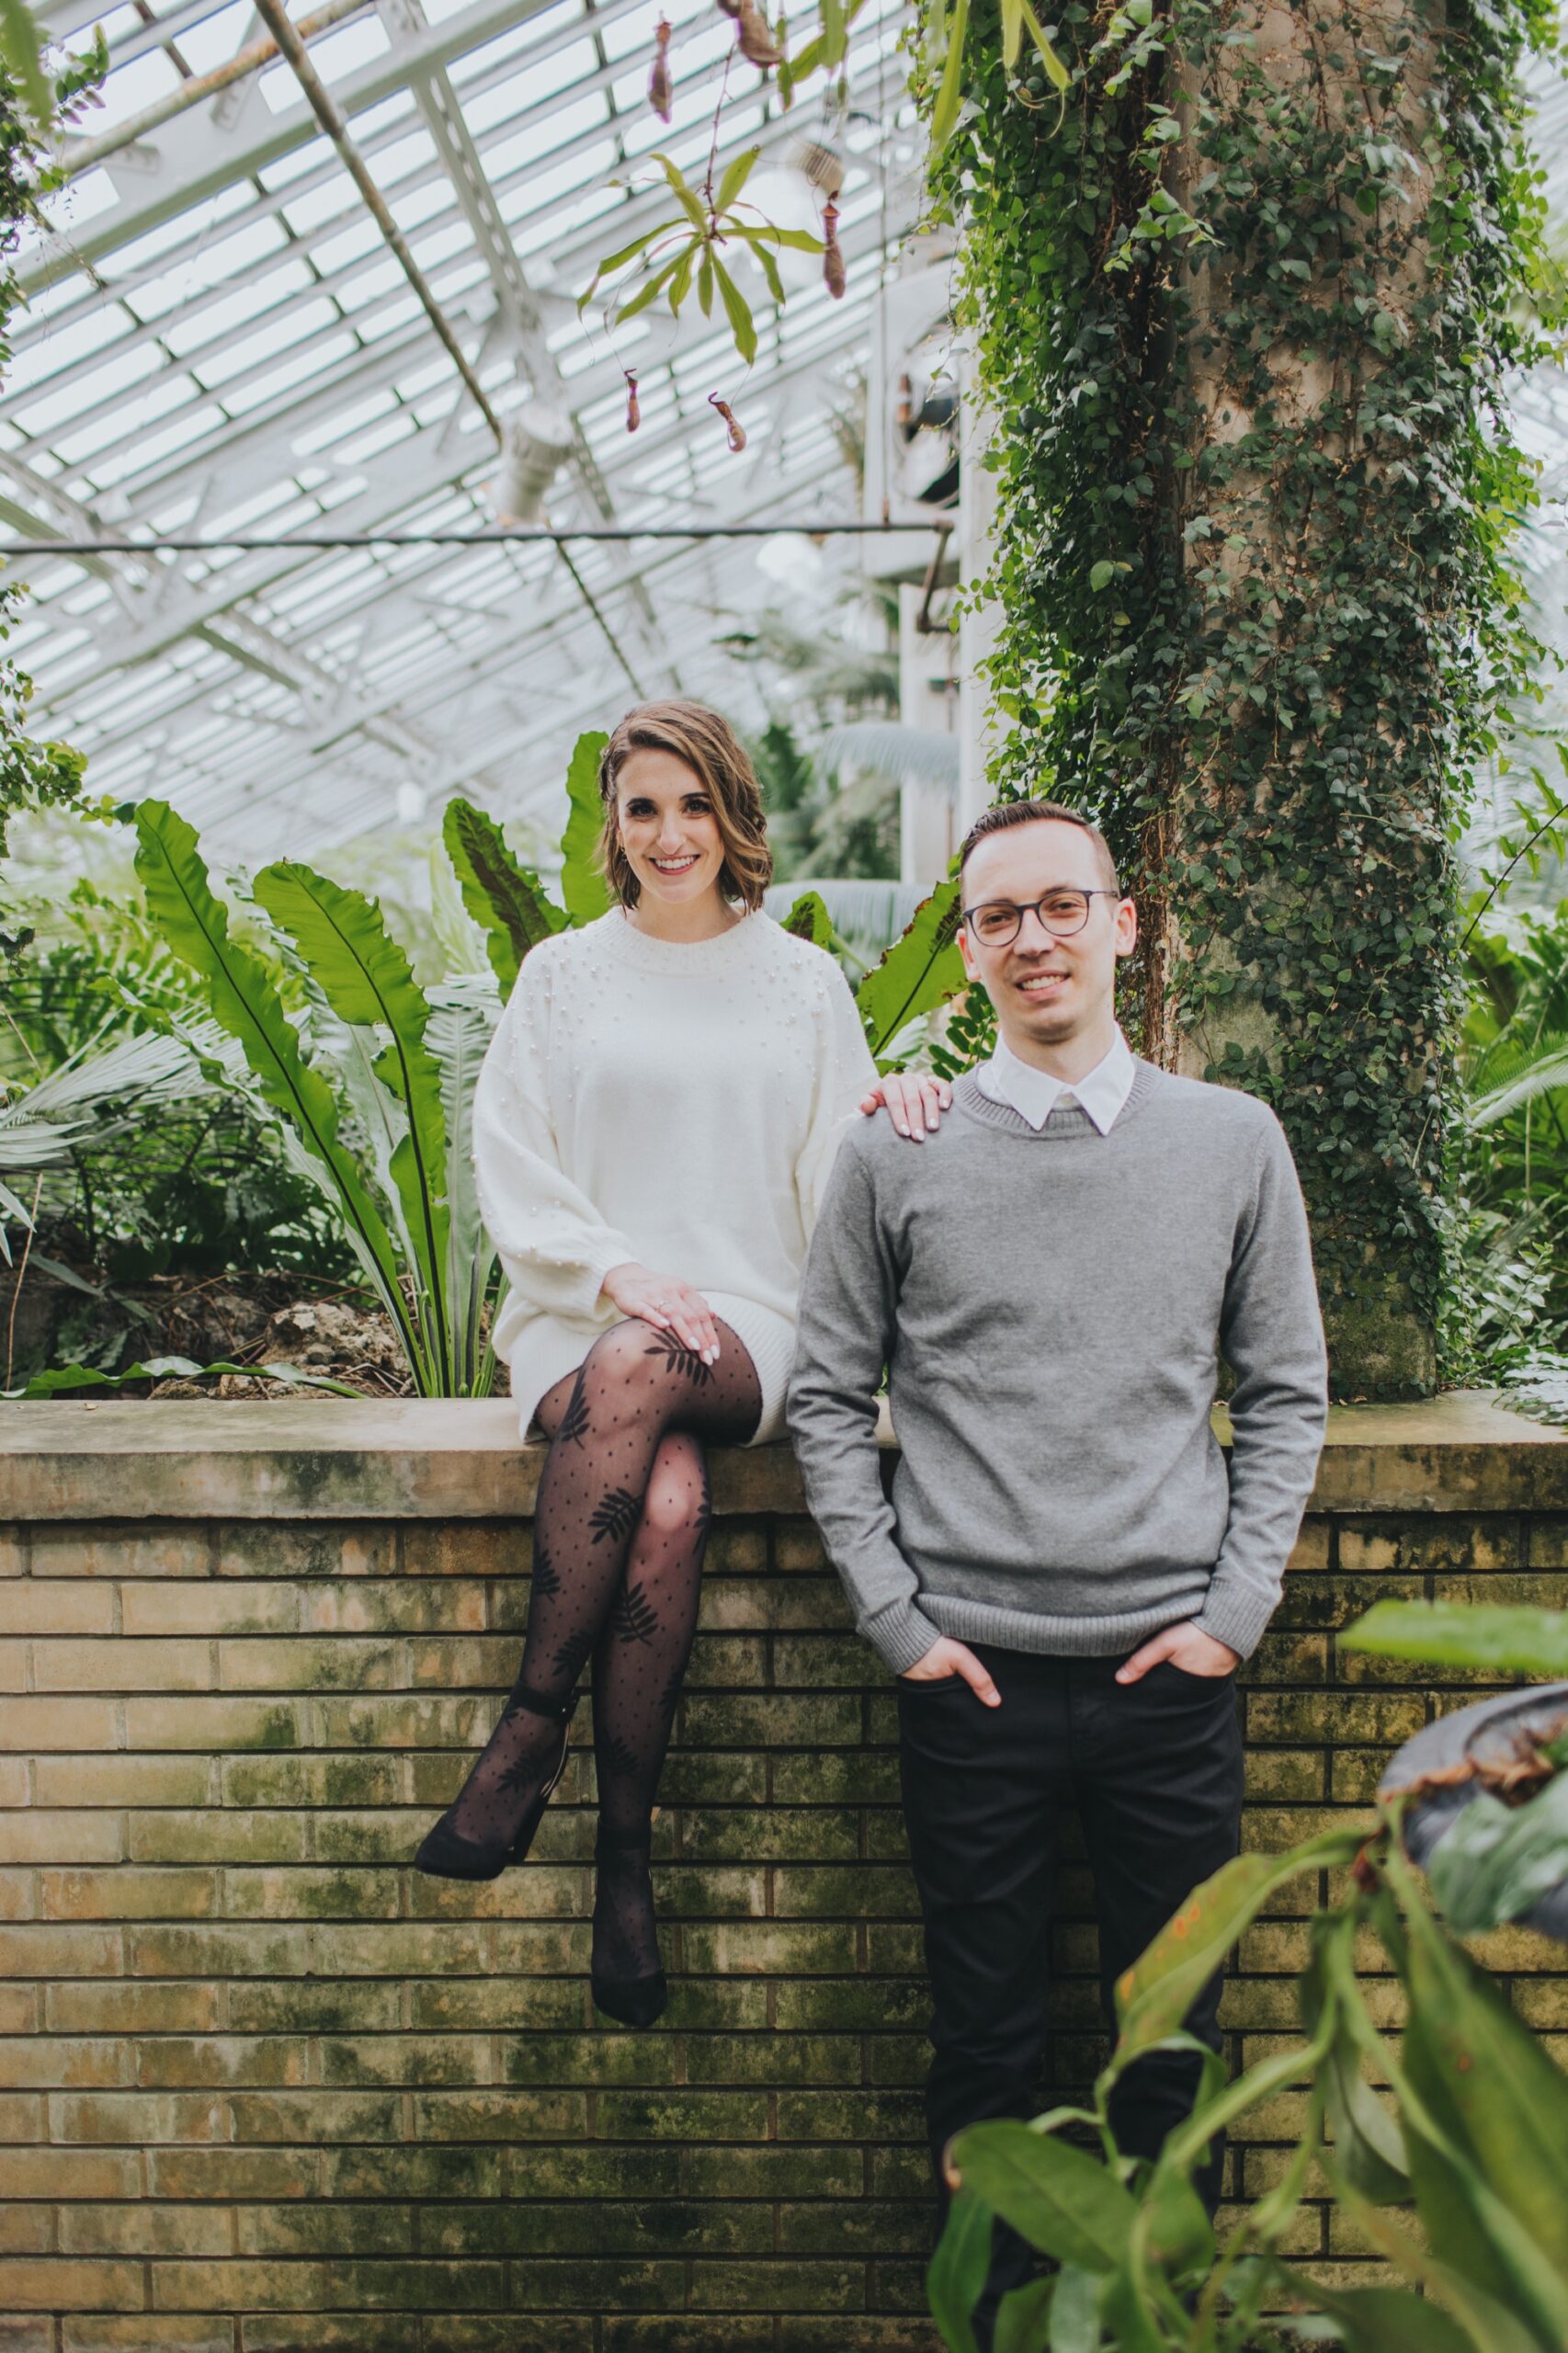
x,y
536,444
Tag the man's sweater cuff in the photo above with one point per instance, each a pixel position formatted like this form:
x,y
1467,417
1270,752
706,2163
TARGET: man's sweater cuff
x,y
1237,1615
899,1635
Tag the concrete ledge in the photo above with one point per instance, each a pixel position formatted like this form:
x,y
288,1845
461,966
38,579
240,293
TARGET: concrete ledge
x,y
417,1459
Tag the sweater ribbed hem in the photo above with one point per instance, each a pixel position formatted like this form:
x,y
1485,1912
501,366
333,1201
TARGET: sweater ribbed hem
x,y
899,1635
1237,1615
1069,1634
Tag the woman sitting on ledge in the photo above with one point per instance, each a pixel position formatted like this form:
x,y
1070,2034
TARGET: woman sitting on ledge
x,y
653,1128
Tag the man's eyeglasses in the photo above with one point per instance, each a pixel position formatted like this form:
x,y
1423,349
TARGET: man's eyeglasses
x,y
996,923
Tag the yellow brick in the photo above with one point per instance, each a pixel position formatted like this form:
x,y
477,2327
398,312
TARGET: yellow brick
x,y
122,1666
122,2006
34,1836
44,1950
1311,1549
129,1894
145,2230
26,2230
18,1892
55,1605
13,1780
212,1726
22,2118
13,1552
68,1550
269,1549
123,1780
69,2173
50,2062
131,2120
309,1663
70,2282
203,1607
54,1723
20,2008
160,2332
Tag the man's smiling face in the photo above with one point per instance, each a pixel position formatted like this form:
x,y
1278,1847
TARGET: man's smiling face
x,y
1046,991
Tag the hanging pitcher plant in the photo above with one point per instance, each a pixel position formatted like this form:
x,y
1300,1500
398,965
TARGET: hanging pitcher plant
x,y
682,251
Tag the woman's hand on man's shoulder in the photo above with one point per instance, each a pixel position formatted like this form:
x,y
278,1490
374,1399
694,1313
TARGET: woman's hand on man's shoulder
x,y
914,1101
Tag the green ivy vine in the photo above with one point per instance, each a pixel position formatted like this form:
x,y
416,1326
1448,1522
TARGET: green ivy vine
x,y
1244,301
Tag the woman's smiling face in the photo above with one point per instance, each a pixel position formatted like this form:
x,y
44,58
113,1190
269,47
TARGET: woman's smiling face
x,y
668,828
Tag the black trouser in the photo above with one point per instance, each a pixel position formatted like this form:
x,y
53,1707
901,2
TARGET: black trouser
x,y
1154,1771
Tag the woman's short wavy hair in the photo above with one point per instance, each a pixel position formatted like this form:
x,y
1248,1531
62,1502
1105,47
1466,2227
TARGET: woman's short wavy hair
x,y
715,755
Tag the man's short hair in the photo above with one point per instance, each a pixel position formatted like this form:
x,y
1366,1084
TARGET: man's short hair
x,y
1007,814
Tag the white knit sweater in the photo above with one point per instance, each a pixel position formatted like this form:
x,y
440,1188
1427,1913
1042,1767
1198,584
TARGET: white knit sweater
x,y
675,1105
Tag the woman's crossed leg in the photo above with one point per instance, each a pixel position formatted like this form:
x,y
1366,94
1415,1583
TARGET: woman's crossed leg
x,y
619,1528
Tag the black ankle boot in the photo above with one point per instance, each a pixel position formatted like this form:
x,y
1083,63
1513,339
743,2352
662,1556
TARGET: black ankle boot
x,y
634,2001
445,1852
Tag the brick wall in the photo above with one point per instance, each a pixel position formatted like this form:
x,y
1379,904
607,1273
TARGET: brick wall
x,y
265,2089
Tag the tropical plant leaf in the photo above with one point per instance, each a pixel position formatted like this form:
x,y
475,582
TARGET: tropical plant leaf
x,y
245,1001
651,288
1369,2146
461,1025
1494,1862
957,2271
1513,1072
1487,2126
365,979
583,887
920,971
1154,1995
735,176
1023,2317
1493,1636
508,902
1391,2320
950,91
806,61
686,195
809,919
21,48
737,309
1063,2201
1074,2312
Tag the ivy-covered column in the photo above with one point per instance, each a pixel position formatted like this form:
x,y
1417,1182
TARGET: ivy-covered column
x,y
1243,301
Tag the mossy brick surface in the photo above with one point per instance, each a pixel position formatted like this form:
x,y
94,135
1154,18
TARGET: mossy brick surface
x,y
266,2090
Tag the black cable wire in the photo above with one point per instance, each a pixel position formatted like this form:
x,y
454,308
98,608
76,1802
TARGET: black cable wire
x,y
500,535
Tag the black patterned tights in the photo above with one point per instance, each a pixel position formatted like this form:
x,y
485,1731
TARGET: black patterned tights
x,y
620,1529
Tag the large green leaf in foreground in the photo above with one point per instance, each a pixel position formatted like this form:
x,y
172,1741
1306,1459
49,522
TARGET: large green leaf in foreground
x,y
1454,1634
245,1001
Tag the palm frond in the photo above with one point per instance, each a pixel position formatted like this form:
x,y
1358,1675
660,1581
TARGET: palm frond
x,y
917,754
1513,1071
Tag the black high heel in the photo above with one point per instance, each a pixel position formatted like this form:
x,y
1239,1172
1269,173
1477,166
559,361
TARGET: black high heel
x,y
445,1852
634,2001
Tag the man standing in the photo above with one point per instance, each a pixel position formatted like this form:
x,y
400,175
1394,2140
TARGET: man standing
x,y
1065,1579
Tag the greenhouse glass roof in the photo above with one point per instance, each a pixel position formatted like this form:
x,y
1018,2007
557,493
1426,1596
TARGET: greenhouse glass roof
x,y
218,341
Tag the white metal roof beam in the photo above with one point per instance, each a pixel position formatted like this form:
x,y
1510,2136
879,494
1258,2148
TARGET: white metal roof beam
x,y
195,157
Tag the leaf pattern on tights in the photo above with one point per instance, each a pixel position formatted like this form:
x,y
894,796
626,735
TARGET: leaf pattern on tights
x,y
616,1516
635,1619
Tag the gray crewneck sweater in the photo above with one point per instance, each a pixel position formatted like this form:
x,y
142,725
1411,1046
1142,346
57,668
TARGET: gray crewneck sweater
x,y
1050,1305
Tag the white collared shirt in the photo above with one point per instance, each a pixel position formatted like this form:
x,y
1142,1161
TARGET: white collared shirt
x,y
1035,1094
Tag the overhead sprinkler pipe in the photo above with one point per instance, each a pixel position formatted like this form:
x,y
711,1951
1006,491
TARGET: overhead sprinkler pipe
x,y
286,34
81,154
